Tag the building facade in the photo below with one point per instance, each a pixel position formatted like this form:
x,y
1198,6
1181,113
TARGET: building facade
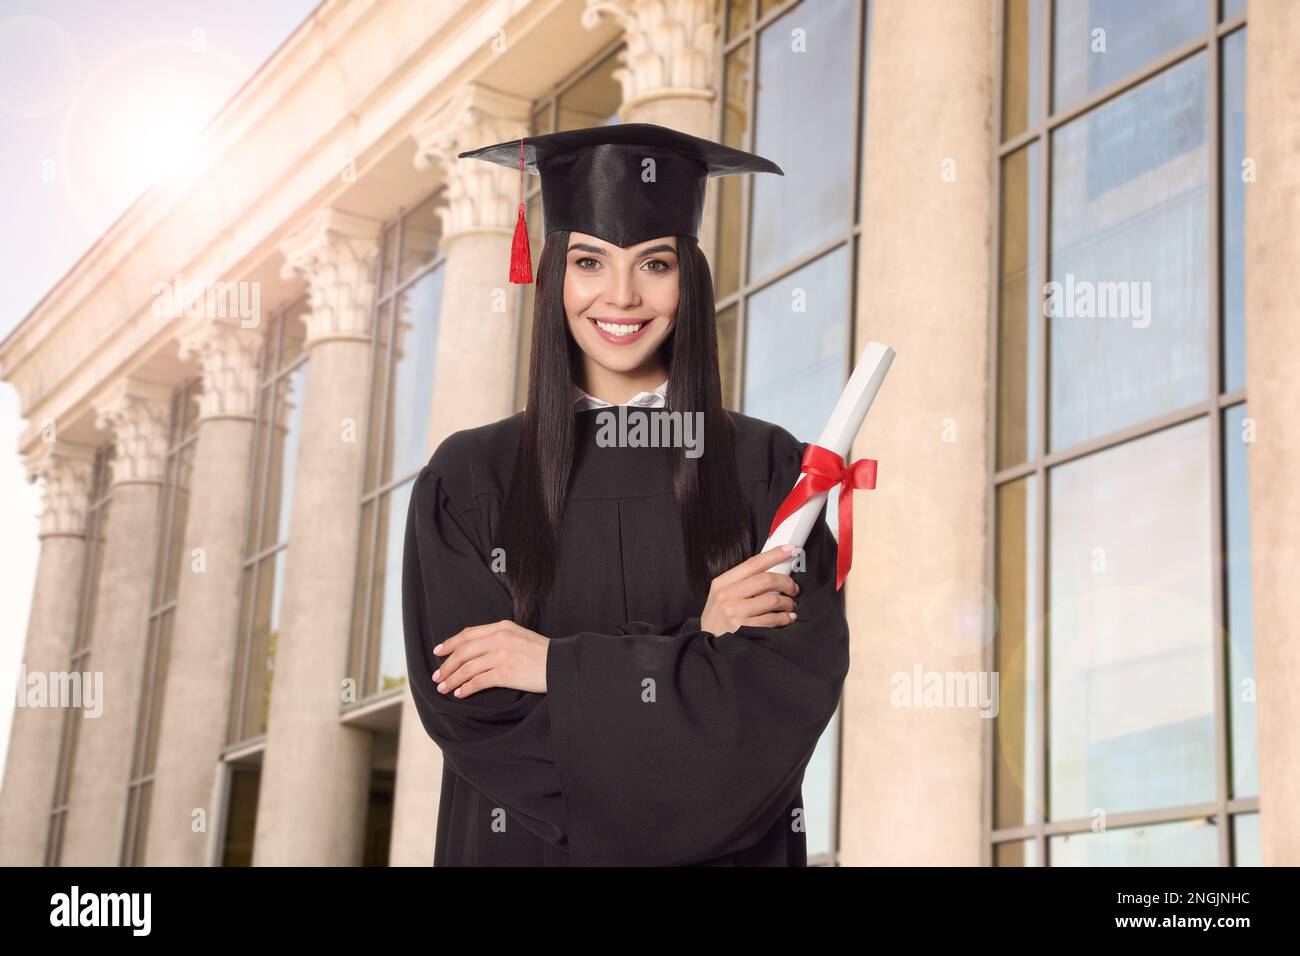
x,y
1072,219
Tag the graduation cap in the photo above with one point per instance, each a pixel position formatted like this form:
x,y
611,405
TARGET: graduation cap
x,y
624,182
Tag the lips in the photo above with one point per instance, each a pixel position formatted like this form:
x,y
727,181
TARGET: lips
x,y
619,337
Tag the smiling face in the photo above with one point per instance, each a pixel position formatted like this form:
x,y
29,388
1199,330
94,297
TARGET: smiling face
x,y
621,304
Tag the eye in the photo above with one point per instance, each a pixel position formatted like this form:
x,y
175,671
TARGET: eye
x,y
659,262
579,262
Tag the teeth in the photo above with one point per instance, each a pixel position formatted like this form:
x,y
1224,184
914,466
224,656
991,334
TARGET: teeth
x,y
620,329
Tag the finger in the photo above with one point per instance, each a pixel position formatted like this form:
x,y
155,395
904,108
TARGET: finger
x,y
467,651
759,562
464,673
765,603
481,682
775,619
766,581
466,634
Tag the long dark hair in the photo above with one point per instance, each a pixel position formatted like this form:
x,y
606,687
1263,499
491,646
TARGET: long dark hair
x,y
715,525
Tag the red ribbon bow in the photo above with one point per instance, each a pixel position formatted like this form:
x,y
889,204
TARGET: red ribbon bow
x,y
823,470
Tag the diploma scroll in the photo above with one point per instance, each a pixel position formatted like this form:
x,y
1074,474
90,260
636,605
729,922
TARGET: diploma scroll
x,y
844,424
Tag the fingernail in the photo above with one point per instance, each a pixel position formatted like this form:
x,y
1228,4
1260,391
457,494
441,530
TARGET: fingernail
x,y
438,649
793,615
791,548
442,688
436,673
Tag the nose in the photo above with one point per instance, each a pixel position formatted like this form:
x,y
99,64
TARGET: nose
x,y
623,292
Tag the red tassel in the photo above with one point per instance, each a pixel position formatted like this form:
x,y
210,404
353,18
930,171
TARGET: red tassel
x,y
521,257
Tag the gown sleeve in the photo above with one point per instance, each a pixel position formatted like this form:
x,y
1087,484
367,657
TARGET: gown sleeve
x,y
687,746
498,739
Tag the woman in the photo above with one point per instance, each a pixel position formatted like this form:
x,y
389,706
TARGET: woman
x,y
612,674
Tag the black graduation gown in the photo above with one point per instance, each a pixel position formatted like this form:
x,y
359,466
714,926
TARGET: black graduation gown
x,y
707,769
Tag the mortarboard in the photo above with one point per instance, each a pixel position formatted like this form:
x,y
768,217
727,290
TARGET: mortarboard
x,y
597,180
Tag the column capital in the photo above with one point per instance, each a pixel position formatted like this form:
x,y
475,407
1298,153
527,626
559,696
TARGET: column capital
x,y
139,415
335,252
480,196
67,474
672,47
228,354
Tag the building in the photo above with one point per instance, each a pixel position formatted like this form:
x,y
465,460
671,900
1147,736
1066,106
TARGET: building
x,y
1087,502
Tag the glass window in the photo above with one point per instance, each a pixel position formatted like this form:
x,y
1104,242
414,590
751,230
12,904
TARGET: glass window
x,y
736,79
784,343
1183,843
1131,721
812,203
1016,649
97,521
1016,853
403,361
740,15
1127,601
397,437
1238,433
388,260
171,558
1022,66
1232,66
378,659
1021,296
388,595
282,396
1127,303
819,790
379,360
1099,42
421,237
1245,840
290,398
727,350
293,334
796,346
410,389
265,630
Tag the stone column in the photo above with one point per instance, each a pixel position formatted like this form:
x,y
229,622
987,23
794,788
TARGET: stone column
x,y
920,597
1273,396
473,381
477,327
670,70
196,697
66,472
316,770
139,415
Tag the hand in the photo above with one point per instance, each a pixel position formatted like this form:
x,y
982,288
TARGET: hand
x,y
502,654
740,597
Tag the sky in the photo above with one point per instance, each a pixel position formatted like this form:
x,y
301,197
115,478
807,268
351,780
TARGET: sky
x,y
98,100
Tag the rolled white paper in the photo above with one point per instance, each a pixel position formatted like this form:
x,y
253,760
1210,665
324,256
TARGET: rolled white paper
x,y
844,424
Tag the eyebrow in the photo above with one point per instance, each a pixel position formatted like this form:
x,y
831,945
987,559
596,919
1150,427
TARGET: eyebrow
x,y
587,247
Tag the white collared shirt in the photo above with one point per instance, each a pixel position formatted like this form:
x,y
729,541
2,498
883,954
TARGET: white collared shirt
x,y
653,399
